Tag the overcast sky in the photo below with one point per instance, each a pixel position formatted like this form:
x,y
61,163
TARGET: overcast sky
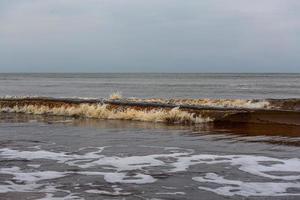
x,y
149,36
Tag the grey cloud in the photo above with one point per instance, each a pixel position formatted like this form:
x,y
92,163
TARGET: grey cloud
x,y
142,35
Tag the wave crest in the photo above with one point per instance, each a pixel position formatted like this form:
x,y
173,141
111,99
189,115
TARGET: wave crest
x,y
183,111
106,111
219,103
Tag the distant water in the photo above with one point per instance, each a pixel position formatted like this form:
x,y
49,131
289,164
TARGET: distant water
x,y
246,86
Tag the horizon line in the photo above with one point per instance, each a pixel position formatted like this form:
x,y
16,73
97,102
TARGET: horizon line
x,y
149,72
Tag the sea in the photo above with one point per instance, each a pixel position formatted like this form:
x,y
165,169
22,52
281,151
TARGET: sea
x,y
65,157
245,86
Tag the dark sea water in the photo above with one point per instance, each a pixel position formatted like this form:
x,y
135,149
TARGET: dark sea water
x,y
48,157
153,85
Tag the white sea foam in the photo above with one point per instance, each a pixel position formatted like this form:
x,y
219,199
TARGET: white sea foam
x,y
18,97
10,186
247,163
171,193
70,196
31,177
220,103
115,96
225,103
24,97
169,188
115,192
236,187
121,177
277,175
34,165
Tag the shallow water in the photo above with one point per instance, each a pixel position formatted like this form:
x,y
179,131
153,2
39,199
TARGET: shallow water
x,y
65,158
44,157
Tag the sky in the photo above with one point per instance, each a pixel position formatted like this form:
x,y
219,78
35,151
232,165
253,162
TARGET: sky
x,y
150,36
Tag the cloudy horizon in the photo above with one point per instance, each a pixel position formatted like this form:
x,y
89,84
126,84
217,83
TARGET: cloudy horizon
x,y
149,36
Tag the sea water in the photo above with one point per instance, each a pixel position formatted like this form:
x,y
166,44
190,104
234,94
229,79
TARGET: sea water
x,y
62,157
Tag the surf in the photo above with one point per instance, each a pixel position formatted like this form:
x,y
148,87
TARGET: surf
x,y
176,111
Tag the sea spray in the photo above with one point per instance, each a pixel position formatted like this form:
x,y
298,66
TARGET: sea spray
x,y
178,111
104,111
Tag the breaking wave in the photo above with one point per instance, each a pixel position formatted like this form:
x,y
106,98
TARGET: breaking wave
x,y
220,103
103,112
182,111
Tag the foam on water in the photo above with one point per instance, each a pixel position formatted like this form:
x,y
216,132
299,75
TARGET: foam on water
x,y
100,111
115,192
171,193
277,176
176,111
225,103
235,187
31,177
220,103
